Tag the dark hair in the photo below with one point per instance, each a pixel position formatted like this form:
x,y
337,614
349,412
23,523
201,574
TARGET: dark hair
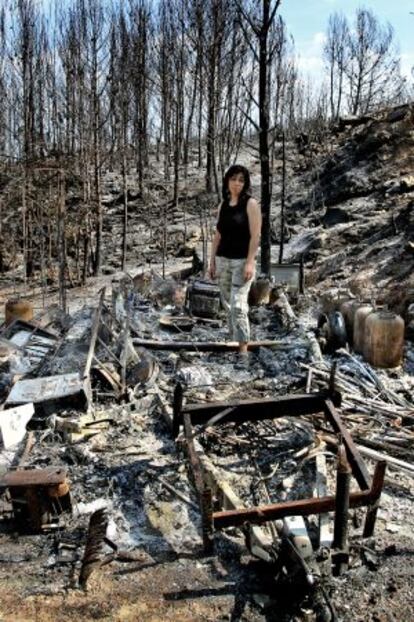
x,y
235,170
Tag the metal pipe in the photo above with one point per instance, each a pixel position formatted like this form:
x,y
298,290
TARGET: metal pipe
x,y
343,480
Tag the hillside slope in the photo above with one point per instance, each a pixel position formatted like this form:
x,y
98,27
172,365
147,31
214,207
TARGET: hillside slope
x,y
350,207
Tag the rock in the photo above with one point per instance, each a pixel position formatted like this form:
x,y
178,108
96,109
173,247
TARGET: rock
x,y
353,183
372,141
185,250
398,114
391,186
334,216
407,183
352,121
302,243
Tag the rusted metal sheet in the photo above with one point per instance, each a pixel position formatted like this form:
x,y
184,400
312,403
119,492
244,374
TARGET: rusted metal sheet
x,y
50,476
49,388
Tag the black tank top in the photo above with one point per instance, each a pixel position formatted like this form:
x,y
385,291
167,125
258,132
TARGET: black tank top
x,y
233,226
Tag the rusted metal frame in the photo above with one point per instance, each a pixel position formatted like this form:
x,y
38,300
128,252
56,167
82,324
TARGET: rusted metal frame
x,y
293,405
274,511
376,489
204,492
94,336
359,470
257,410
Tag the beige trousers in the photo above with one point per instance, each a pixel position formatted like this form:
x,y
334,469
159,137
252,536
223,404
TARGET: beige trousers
x,y
234,291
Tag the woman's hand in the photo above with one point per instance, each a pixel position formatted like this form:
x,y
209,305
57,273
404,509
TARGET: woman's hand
x,y
249,270
212,269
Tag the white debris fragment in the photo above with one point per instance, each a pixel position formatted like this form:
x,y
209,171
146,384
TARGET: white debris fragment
x,y
392,528
88,508
195,377
13,424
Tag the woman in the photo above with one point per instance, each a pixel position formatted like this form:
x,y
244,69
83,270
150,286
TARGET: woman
x,y
234,249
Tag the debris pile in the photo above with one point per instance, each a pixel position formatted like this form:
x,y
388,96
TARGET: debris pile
x,y
144,441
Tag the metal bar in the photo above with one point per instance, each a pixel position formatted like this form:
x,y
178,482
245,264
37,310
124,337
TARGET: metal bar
x,y
256,410
377,485
340,558
302,507
49,476
94,336
343,480
213,421
359,469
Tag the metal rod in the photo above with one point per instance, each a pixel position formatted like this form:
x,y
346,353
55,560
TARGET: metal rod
x,y
377,485
301,507
343,480
359,469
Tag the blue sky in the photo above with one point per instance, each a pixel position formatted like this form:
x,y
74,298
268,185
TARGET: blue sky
x,y
307,21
